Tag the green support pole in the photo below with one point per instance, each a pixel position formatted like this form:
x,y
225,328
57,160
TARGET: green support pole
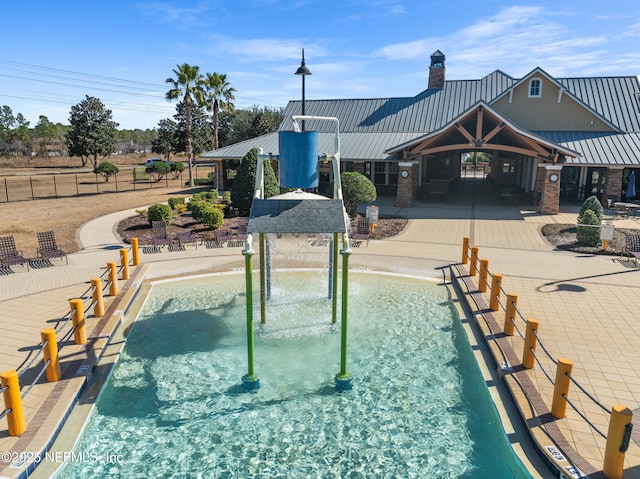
x,y
344,381
250,381
334,283
263,283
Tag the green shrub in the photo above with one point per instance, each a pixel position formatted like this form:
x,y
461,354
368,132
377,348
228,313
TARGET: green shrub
x,y
159,212
196,207
178,200
202,182
180,208
106,169
592,203
209,196
212,216
356,189
588,235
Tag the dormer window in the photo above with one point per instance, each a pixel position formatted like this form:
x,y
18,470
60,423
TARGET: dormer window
x,y
535,88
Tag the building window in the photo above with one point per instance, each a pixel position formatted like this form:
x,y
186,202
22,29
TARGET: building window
x,y
380,175
385,173
535,88
508,167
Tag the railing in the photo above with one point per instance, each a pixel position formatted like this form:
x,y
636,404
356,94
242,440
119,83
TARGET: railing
x,y
620,417
53,340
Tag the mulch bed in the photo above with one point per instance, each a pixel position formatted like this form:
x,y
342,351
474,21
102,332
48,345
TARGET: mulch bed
x,y
564,236
139,227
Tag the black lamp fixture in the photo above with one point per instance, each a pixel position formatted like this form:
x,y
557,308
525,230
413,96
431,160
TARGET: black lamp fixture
x,y
303,71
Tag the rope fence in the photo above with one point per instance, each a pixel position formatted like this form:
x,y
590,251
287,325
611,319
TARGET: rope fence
x,y
620,416
90,302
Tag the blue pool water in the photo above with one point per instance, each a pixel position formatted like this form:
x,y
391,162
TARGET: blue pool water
x,y
174,407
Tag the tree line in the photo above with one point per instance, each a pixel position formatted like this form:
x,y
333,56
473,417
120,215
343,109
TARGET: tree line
x,y
205,119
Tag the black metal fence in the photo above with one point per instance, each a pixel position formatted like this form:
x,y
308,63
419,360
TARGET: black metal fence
x,y
64,185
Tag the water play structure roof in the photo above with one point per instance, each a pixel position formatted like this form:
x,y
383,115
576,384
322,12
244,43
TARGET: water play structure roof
x,y
297,212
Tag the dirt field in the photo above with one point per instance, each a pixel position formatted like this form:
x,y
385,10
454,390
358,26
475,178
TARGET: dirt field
x,y
24,219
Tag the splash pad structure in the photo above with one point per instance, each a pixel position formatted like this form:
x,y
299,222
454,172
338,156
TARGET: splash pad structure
x,y
299,212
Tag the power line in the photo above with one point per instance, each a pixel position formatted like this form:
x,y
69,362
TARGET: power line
x,y
62,74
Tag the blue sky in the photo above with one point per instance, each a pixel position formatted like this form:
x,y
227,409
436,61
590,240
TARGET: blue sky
x,y
55,53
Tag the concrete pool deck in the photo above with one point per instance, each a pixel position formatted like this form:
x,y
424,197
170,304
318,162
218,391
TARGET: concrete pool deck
x,y
586,305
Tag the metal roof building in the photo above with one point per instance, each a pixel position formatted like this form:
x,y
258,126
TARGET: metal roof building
x,y
591,122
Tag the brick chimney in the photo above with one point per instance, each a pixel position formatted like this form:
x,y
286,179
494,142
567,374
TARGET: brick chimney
x,y
437,70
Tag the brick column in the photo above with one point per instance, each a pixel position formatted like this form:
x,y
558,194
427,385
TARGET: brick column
x,y
407,183
550,200
613,183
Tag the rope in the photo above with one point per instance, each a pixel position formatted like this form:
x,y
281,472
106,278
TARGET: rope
x,y
519,313
36,379
542,367
584,417
62,321
33,360
588,394
6,388
500,302
517,329
5,412
535,333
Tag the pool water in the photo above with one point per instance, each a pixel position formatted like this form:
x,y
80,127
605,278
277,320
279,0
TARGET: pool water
x,y
174,406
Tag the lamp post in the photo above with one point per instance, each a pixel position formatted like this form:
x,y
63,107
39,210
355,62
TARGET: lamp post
x,y
303,71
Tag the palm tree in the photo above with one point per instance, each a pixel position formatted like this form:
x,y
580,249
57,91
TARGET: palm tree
x,y
187,85
218,97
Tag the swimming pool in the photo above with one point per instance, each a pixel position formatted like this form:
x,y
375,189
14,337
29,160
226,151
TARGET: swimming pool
x,y
174,406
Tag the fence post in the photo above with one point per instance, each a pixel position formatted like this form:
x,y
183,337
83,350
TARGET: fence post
x,y
473,268
530,342
484,272
510,314
124,263
98,308
13,402
618,438
136,251
465,249
113,278
496,281
77,319
561,387
50,353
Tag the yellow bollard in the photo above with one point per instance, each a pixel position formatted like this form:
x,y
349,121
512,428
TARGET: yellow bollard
x,y
530,342
510,314
113,279
136,251
496,281
13,402
98,309
465,249
50,353
473,267
618,438
79,332
124,263
484,272
561,387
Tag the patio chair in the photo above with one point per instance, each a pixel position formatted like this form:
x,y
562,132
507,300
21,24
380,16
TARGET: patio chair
x,y
185,237
220,237
632,247
239,238
160,235
48,248
9,255
362,234
620,209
